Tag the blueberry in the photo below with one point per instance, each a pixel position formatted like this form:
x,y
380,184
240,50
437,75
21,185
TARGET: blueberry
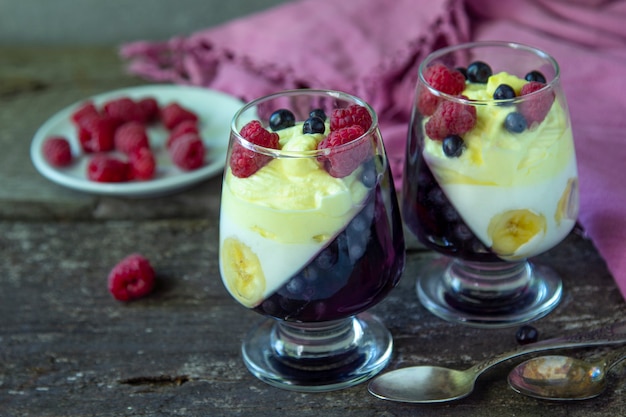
x,y
478,72
318,113
313,125
359,223
463,71
453,146
327,258
463,232
504,92
535,76
515,122
282,119
369,175
295,285
526,334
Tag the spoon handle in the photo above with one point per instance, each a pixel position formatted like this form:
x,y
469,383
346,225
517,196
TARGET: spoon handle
x,y
609,335
611,359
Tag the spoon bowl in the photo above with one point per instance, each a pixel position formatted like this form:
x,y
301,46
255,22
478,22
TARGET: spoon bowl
x,y
557,377
431,384
428,383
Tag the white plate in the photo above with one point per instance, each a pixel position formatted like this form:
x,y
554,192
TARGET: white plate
x,y
215,111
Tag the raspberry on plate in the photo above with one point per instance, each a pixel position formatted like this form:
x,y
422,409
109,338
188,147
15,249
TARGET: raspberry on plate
x,y
106,168
85,109
96,133
442,78
349,116
187,126
188,151
132,278
124,109
344,158
174,113
142,164
245,162
450,118
150,109
536,108
57,151
130,137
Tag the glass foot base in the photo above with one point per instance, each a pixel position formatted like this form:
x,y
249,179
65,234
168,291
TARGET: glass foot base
x,y
324,358
487,302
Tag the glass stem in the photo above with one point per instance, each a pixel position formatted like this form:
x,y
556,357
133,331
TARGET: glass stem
x,y
326,345
489,282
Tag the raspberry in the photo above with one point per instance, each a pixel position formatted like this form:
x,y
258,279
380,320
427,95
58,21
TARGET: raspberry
x,y
85,109
105,168
150,109
96,133
450,118
427,102
57,151
187,152
124,109
535,108
174,113
441,78
245,162
132,278
142,164
341,162
130,137
351,115
187,126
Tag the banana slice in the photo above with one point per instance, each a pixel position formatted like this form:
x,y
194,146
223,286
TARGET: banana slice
x,y
242,272
568,203
513,229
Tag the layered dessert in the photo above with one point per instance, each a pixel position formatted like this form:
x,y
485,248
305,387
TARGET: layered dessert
x,y
493,176
311,232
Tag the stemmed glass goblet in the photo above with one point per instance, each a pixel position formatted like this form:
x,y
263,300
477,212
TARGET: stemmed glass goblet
x,y
490,180
310,237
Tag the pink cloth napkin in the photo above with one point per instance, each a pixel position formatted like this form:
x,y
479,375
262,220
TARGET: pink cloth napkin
x,y
372,48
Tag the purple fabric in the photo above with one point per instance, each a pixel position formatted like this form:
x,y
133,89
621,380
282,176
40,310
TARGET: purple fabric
x,y
372,48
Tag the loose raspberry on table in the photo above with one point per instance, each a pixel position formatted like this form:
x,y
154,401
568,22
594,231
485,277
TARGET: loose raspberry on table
x,y
245,162
174,113
106,168
187,126
130,137
450,118
188,151
57,151
536,108
441,78
142,164
97,133
132,278
343,158
349,116
124,109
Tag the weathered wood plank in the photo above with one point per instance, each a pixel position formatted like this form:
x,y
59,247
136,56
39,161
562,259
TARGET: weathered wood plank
x,y
69,349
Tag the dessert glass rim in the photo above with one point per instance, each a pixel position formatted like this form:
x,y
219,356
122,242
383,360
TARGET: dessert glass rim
x,y
433,56
280,153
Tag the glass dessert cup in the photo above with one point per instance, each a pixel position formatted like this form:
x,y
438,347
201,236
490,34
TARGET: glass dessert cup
x,y
490,181
310,238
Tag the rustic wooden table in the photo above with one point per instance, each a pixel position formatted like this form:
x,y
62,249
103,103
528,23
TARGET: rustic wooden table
x,y
67,348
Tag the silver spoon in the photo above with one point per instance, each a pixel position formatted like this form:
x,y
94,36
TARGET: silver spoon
x,y
557,377
430,384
